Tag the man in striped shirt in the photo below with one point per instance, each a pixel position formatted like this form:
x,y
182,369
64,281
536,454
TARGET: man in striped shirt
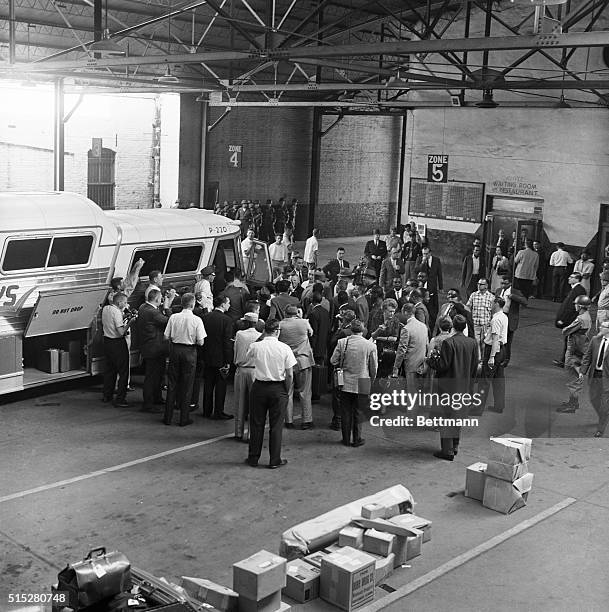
x,y
480,304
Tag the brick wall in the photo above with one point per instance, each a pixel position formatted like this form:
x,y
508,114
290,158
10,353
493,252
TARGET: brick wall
x,y
359,173
123,122
276,159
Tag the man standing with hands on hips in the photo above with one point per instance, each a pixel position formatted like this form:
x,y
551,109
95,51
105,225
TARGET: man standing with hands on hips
x,y
273,362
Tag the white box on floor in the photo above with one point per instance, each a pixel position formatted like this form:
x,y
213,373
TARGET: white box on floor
x,y
347,578
475,475
508,450
506,471
220,597
504,496
378,542
373,511
351,536
302,581
270,603
259,576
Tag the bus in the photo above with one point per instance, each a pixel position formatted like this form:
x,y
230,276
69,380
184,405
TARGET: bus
x,y
58,253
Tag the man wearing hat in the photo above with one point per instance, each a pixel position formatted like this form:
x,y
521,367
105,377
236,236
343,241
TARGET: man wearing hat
x,y
596,365
376,251
203,286
244,374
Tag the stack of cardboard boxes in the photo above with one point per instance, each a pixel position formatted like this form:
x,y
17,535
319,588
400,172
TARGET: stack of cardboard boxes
x,y
503,484
258,581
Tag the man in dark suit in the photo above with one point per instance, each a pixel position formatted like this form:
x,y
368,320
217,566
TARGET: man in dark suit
x,y
503,243
513,300
154,348
397,292
542,269
391,268
217,356
595,364
376,251
566,313
472,270
432,268
336,266
456,367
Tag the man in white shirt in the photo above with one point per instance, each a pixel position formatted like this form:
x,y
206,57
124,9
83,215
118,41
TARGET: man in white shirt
x,y
116,351
585,267
495,340
156,282
559,260
203,286
278,252
244,374
184,331
311,248
273,362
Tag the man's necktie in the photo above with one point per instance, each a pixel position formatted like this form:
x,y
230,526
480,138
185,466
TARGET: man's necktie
x,y
601,354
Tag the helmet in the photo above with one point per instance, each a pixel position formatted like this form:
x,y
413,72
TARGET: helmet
x,y
583,300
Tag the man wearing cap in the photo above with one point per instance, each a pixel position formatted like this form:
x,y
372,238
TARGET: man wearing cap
x,y
595,363
493,357
244,374
311,248
295,332
252,308
273,362
376,251
338,266
577,343
184,332
203,286
244,216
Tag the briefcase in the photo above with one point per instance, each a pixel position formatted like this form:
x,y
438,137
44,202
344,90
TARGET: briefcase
x,y
100,575
320,380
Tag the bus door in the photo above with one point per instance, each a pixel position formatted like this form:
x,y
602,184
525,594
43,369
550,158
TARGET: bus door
x,y
258,264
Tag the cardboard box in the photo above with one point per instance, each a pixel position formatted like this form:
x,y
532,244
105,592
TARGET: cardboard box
x,y
259,576
351,536
382,525
378,542
505,450
334,548
412,521
270,603
347,578
302,581
504,496
316,558
48,361
220,597
373,511
475,475
407,547
322,530
506,471
383,566
526,446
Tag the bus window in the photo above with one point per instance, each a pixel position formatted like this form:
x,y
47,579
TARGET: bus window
x,y
70,251
184,259
26,254
154,259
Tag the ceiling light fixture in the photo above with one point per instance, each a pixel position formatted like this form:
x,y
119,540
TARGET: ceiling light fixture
x,y
168,78
106,45
487,100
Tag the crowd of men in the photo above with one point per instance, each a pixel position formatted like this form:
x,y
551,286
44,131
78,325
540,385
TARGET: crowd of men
x,y
378,320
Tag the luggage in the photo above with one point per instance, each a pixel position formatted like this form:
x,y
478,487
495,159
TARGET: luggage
x,y
320,380
99,576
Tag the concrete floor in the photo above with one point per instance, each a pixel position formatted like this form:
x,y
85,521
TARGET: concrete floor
x,y
197,509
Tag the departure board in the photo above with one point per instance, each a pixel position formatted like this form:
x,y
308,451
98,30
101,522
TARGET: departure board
x,y
455,200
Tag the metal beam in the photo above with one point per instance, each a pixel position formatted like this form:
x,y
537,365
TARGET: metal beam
x,y
58,138
233,23
538,42
11,31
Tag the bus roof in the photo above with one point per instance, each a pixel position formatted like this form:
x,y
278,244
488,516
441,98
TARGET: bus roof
x,y
41,211
170,225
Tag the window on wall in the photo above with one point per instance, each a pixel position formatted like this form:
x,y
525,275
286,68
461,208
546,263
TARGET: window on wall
x,y
100,177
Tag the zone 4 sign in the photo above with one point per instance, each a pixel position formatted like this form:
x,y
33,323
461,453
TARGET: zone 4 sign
x,y
234,155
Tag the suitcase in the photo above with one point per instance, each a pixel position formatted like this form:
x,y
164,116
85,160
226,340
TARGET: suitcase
x,y
320,380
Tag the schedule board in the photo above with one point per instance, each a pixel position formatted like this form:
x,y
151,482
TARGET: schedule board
x,y
455,200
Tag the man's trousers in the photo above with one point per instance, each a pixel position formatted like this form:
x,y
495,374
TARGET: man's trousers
x,y
267,398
